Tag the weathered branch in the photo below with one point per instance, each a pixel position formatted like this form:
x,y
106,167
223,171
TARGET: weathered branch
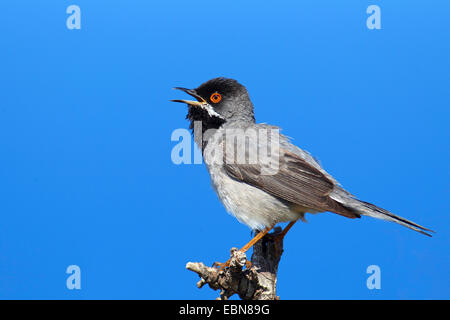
x,y
255,283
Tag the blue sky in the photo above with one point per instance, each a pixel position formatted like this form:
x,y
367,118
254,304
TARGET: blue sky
x,y
86,176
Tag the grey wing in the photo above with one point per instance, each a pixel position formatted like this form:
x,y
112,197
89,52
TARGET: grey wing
x,y
301,180
297,181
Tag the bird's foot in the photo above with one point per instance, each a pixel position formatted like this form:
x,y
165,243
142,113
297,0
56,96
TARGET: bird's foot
x,y
237,259
221,265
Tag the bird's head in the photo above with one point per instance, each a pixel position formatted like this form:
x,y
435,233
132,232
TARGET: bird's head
x,y
217,101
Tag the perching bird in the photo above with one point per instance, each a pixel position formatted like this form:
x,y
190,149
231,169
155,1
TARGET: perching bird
x,y
255,195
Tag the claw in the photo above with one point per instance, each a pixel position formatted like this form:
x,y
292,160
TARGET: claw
x,y
248,264
220,265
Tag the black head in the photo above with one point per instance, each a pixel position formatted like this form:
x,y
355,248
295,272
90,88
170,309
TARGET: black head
x,y
217,101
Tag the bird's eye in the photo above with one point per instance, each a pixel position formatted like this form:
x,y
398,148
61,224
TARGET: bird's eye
x,y
216,97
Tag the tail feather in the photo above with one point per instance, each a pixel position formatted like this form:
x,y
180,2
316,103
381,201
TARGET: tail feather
x,y
368,209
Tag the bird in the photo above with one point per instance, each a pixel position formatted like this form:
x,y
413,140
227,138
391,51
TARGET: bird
x,y
257,193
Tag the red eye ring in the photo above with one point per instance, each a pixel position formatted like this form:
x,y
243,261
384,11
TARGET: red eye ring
x,y
216,97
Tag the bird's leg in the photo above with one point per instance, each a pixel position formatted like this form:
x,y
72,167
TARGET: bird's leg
x,y
285,230
279,237
255,239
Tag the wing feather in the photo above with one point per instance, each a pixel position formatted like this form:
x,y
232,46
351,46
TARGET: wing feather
x,y
296,181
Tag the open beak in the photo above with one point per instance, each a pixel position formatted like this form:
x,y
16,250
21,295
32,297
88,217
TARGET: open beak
x,y
200,102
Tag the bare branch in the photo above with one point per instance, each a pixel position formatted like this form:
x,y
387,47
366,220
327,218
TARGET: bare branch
x,y
255,283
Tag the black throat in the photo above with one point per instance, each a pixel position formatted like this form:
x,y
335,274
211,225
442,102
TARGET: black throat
x,y
204,122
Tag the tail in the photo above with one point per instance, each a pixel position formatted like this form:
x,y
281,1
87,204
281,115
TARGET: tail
x,y
370,210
